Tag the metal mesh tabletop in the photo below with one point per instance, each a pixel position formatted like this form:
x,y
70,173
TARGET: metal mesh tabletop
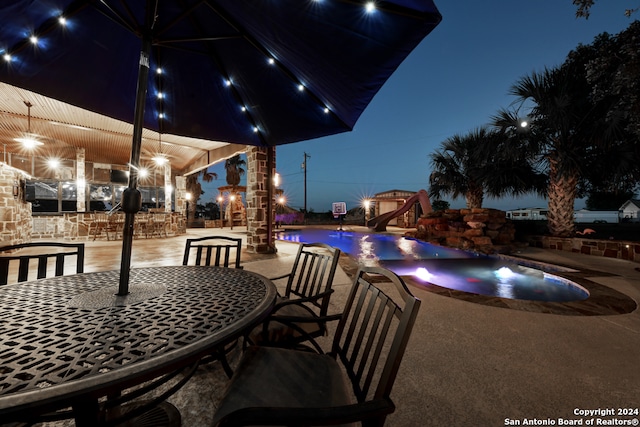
x,y
70,336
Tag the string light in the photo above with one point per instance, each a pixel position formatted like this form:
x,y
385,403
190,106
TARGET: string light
x,y
369,7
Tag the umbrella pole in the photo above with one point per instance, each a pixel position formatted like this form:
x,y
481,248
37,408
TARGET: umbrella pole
x,y
131,199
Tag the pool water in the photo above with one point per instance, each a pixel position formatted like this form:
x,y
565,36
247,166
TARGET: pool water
x,y
446,267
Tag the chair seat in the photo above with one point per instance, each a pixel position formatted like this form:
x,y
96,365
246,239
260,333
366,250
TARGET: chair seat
x,y
279,332
275,377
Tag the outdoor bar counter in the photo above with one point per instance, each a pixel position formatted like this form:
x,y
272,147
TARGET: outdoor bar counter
x,y
102,226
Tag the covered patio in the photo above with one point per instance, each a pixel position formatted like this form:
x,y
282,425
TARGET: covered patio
x,y
89,150
467,363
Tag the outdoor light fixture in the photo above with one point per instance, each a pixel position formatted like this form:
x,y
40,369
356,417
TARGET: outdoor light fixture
x,y
160,159
276,179
28,140
53,163
524,124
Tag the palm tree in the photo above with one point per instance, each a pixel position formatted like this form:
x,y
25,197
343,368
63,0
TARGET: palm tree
x,y
456,171
563,125
482,163
234,169
195,189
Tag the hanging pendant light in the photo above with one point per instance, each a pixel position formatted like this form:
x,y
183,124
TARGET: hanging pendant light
x,y
28,140
159,158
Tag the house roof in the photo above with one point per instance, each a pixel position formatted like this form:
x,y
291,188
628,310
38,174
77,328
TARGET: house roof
x,y
634,202
394,193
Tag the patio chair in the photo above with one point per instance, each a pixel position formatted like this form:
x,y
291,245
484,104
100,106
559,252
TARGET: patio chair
x,y
26,256
351,383
219,251
301,314
209,250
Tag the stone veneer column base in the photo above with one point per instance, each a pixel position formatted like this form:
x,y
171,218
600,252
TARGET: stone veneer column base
x,y
15,213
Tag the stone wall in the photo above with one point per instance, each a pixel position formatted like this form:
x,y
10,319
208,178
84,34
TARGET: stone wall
x,y
626,250
15,213
481,230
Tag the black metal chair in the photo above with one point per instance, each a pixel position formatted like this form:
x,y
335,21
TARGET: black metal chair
x,y
219,251
351,383
39,254
213,250
301,314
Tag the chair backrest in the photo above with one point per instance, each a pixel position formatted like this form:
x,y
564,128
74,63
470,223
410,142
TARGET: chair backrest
x,y
28,252
213,250
373,332
312,273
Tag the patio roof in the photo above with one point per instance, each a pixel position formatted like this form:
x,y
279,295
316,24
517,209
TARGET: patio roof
x,y
63,128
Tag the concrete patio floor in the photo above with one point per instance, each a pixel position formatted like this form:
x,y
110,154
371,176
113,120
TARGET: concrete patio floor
x,y
468,363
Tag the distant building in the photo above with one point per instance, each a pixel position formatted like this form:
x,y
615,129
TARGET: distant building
x,y
630,210
391,200
527,214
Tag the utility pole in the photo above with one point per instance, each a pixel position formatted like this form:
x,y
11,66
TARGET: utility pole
x,y
304,167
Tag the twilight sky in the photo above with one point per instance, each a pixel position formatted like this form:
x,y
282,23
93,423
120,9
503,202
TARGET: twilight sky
x,y
453,82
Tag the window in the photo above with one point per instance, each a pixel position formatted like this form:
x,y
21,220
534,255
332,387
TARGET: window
x,y
100,197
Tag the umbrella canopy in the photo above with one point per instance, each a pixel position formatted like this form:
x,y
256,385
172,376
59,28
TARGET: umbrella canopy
x,y
259,73
246,72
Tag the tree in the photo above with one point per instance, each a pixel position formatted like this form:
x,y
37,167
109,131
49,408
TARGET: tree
x,y
612,65
440,205
194,188
584,9
563,125
483,162
456,171
234,169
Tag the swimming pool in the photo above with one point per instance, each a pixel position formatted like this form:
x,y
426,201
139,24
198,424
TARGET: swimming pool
x,y
446,267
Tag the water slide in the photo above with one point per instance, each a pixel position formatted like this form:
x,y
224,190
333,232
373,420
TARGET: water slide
x,y
380,222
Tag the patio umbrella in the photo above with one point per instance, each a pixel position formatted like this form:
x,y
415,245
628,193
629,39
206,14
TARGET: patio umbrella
x,y
259,73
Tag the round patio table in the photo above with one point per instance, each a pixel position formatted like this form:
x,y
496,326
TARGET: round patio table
x,y
69,341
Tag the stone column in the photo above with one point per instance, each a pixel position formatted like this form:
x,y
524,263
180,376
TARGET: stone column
x,y
181,191
16,222
258,203
81,182
167,187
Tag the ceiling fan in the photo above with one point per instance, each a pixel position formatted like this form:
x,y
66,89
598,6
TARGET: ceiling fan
x,y
28,140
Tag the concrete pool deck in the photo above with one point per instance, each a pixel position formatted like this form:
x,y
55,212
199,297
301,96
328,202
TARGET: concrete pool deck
x,y
468,363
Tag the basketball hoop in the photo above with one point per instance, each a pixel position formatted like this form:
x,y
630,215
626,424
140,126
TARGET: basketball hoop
x,y
339,210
